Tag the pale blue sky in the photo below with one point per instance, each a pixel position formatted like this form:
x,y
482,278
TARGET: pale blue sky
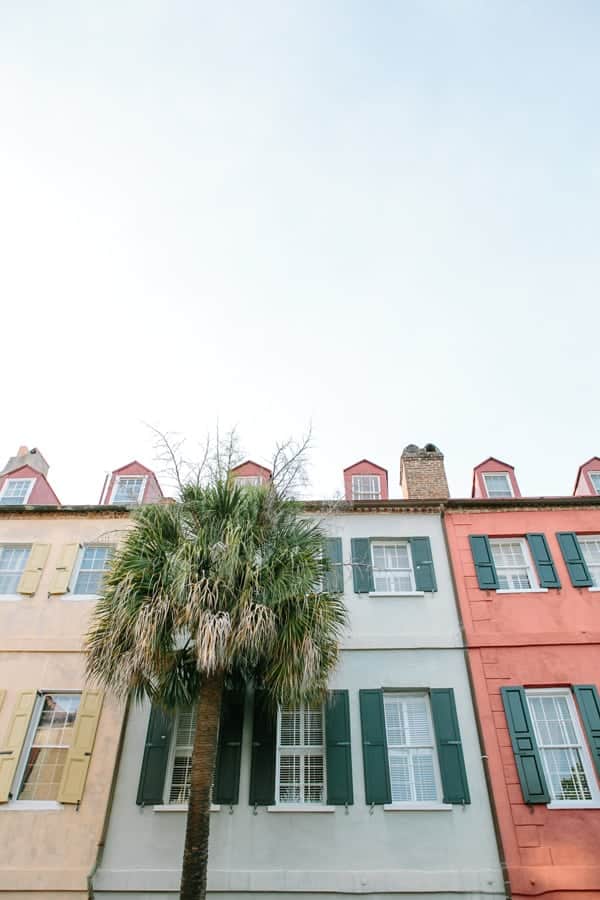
x,y
379,216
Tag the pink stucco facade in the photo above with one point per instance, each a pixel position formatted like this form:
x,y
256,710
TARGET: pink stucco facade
x,y
535,640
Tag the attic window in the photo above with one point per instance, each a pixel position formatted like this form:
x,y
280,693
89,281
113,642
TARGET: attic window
x,y
497,485
595,479
16,491
252,480
366,487
128,489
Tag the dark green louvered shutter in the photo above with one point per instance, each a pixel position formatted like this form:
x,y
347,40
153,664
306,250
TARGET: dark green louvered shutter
x,y
589,707
339,756
542,558
156,756
229,751
423,563
264,738
524,744
334,577
484,562
375,754
449,746
362,572
574,560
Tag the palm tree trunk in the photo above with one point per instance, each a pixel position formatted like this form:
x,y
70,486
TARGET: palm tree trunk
x,y
195,854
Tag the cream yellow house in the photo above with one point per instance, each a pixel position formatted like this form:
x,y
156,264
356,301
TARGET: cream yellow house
x,y
59,739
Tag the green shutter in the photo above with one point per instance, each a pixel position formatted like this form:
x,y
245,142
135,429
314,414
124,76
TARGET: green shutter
x,y
484,562
524,744
229,751
423,563
156,756
542,558
362,571
339,756
264,736
574,560
589,707
449,746
375,754
334,578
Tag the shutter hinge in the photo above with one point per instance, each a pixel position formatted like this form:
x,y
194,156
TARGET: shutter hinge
x,y
255,810
77,806
371,809
231,809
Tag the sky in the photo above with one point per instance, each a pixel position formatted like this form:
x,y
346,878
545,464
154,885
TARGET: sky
x,y
377,218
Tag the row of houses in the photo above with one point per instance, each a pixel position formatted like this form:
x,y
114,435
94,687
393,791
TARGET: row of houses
x,y
458,754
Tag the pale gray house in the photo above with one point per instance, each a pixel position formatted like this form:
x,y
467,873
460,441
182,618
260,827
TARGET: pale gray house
x,y
382,791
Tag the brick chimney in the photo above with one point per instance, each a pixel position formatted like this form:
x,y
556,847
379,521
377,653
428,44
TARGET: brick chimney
x,y
422,473
26,457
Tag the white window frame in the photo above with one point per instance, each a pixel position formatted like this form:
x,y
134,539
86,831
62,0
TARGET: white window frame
x,y
171,764
16,595
529,566
593,483
17,782
583,538
361,494
486,475
418,804
394,542
249,480
77,595
583,748
115,490
302,750
27,495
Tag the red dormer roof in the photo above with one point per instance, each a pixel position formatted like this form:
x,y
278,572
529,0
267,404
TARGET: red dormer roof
x,y
150,492
493,466
583,483
251,469
41,493
365,467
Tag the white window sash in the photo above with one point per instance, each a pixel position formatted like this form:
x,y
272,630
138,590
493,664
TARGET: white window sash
x,y
301,750
125,478
78,570
369,491
175,751
14,572
595,480
507,570
19,501
413,749
408,570
495,492
594,567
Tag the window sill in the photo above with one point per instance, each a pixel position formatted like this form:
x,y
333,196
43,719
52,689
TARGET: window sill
x,y
10,597
530,591
300,808
412,807
399,594
24,805
79,597
594,589
572,805
180,807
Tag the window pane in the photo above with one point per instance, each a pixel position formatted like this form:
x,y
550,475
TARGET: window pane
x,y
366,487
128,490
410,748
498,485
567,776
313,726
181,774
417,721
12,564
313,779
49,747
425,788
15,491
595,478
289,778
290,726
94,563
400,777
590,547
301,757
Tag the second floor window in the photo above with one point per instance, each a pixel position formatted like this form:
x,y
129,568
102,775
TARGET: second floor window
x,y
93,565
12,564
590,547
497,484
411,748
300,755
180,767
392,567
366,487
16,491
128,489
47,747
513,565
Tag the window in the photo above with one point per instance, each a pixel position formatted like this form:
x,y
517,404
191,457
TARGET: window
x,y
300,755
128,489
93,564
565,757
12,564
590,547
47,748
497,484
513,565
595,479
252,480
414,776
392,567
366,487
16,491
181,761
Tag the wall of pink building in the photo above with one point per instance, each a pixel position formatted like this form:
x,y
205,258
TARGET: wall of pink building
x,y
534,640
41,493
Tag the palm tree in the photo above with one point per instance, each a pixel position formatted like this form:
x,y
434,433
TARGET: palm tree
x,y
222,584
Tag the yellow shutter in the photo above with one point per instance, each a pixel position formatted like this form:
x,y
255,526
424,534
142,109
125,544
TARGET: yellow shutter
x,y
10,751
80,751
64,569
34,567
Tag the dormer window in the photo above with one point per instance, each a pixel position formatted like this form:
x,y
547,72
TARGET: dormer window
x,y
366,487
16,491
497,485
595,479
249,480
128,489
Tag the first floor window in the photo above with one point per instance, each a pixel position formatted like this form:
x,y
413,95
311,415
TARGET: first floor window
x,y
366,487
128,489
47,746
513,566
564,754
300,755
392,567
590,547
16,491
595,479
497,484
413,764
181,760
12,563
94,561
